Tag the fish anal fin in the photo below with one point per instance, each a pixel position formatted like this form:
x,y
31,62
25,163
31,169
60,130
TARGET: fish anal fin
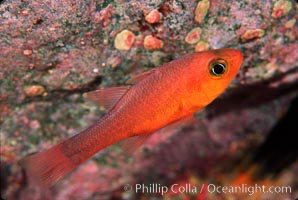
x,y
107,97
136,78
169,128
129,145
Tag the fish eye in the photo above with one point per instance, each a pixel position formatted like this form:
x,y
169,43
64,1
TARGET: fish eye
x,y
218,68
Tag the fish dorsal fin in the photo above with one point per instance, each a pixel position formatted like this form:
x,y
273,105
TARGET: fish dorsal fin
x,y
136,78
107,97
129,145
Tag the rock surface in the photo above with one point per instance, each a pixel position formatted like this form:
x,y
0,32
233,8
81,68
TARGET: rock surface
x,y
51,52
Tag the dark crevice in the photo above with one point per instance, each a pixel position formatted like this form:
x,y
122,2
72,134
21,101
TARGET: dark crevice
x,y
5,174
279,150
253,95
63,93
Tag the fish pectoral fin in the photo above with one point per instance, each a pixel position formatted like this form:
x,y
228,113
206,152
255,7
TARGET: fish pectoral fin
x,y
129,145
136,78
107,97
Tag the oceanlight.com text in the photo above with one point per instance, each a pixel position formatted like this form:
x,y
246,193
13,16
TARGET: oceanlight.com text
x,y
156,188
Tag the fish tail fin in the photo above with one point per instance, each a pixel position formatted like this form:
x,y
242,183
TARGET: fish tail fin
x,y
49,166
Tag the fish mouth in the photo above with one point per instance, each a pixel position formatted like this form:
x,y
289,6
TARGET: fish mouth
x,y
235,56
239,60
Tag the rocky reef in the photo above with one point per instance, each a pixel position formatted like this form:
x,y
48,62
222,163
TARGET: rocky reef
x,y
51,52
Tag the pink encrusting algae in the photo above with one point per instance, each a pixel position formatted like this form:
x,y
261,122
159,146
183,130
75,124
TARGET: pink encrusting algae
x,y
201,10
34,90
281,8
152,43
124,40
252,34
153,16
193,36
202,46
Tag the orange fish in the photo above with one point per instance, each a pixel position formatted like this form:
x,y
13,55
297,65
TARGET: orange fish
x,y
159,97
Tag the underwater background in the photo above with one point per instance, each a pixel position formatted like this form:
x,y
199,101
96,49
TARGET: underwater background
x,y
52,52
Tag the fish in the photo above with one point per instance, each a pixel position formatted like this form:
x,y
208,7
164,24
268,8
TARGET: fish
x,y
151,101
